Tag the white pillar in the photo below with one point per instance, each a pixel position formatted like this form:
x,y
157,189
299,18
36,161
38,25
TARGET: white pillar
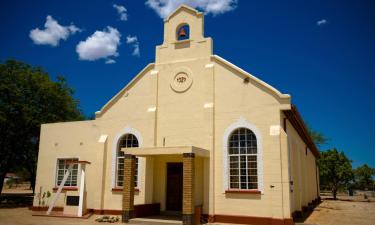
x,y
81,190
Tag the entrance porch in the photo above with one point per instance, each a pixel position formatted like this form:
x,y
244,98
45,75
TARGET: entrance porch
x,y
175,177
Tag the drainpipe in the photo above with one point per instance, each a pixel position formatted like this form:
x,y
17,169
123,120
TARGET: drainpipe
x,y
213,137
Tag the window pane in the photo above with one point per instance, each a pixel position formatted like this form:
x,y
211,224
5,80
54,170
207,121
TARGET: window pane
x,y
242,150
234,179
127,141
62,168
253,186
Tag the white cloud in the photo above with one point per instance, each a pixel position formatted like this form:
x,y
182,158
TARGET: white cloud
x,y
110,61
321,22
101,44
164,7
53,32
121,11
133,40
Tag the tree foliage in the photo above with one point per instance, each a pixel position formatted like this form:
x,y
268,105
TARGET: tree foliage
x,y
363,177
318,137
29,98
335,170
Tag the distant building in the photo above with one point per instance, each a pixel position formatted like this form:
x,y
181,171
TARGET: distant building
x,y
198,130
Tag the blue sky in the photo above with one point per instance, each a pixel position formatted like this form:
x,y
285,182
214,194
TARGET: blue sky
x,y
320,52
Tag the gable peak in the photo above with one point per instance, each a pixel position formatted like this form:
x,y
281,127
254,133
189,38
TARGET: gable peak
x,y
185,8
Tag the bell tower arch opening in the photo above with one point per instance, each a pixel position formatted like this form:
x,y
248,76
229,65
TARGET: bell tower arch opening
x,y
183,32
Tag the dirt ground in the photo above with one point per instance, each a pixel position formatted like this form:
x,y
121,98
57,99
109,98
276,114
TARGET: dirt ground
x,y
329,212
343,212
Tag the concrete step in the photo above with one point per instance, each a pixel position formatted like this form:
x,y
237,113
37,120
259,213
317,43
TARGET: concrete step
x,y
147,221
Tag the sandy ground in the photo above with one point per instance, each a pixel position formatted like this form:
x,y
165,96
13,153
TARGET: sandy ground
x,y
327,213
22,216
331,212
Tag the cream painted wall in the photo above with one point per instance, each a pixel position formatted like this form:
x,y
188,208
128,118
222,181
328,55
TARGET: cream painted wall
x,y
303,171
235,99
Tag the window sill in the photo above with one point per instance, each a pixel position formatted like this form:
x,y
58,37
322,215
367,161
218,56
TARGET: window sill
x,y
121,189
66,189
239,191
182,41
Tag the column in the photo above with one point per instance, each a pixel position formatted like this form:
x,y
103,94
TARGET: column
x,y
128,192
188,189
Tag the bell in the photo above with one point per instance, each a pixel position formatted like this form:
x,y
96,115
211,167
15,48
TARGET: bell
x,y
182,32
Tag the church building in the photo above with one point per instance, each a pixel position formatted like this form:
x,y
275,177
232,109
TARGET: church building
x,y
192,135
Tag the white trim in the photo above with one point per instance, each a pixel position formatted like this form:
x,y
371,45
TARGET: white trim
x,y
275,130
208,105
137,134
81,190
209,65
242,122
269,87
103,138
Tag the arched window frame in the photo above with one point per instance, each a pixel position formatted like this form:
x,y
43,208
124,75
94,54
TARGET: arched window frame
x,y
115,145
178,29
242,123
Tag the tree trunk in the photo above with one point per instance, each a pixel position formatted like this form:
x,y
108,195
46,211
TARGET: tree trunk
x,y
32,182
334,193
2,177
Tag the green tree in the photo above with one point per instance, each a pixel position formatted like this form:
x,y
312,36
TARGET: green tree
x,y
29,98
363,176
335,170
318,137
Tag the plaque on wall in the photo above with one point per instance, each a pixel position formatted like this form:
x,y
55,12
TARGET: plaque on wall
x,y
72,200
182,80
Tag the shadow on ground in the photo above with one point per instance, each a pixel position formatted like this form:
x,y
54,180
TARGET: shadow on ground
x,y
16,200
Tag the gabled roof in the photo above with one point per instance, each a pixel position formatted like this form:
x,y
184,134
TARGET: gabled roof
x,y
183,7
126,88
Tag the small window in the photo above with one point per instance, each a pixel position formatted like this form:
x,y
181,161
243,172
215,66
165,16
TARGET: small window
x,y
127,141
183,32
62,168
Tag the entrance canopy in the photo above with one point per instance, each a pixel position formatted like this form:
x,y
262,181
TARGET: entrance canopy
x,y
154,151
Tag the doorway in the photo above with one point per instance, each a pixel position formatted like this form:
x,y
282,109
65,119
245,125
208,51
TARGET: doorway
x,y
174,187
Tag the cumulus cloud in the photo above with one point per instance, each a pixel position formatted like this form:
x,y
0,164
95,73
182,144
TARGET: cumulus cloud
x,y
121,11
110,61
321,22
164,7
52,33
101,44
133,40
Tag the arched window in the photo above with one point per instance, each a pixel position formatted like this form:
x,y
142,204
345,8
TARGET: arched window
x,y
242,153
126,141
183,32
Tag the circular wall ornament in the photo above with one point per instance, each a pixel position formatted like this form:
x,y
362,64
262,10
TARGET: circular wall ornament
x,y
182,80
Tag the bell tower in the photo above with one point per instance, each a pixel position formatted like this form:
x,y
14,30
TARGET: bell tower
x,y
183,37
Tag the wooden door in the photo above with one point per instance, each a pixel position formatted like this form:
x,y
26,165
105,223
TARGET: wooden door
x,y
174,187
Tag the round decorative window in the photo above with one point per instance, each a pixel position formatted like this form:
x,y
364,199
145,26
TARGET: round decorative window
x,y
182,81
